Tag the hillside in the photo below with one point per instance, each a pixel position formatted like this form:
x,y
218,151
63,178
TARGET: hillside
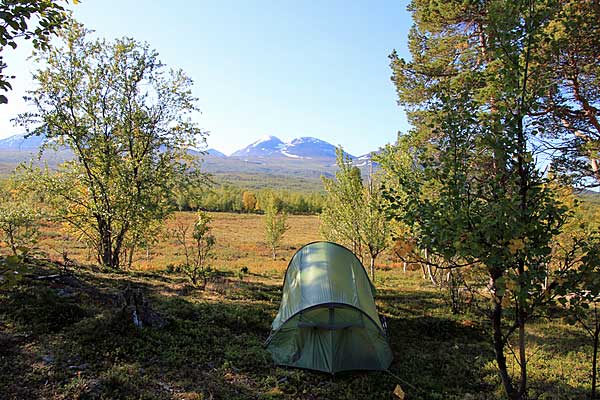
x,y
258,173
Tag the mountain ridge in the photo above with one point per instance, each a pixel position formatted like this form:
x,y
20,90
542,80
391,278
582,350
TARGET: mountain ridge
x,y
305,147
298,164
268,146
21,142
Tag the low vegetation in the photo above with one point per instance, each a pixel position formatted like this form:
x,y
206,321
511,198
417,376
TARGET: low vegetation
x,y
67,337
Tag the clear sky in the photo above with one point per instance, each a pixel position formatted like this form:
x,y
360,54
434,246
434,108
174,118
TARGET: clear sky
x,y
283,68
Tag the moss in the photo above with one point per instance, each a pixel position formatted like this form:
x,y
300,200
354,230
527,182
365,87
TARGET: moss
x,y
212,346
42,309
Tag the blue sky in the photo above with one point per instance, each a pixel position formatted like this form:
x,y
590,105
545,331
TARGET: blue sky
x,y
284,68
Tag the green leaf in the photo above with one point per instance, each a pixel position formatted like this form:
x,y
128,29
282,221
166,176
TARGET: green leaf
x,y
500,286
23,249
13,261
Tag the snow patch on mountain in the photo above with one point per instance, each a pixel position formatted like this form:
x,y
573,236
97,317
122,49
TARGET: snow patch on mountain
x,y
285,153
266,146
300,148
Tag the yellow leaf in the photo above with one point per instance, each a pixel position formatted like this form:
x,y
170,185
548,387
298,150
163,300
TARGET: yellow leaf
x,y
398,392
515,245
512,285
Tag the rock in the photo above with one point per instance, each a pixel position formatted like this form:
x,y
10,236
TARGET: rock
x,y
78,367
165,387
137,307
65,293
93,389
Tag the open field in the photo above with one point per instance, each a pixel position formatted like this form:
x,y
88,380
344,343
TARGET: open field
x,y
240,241
66,338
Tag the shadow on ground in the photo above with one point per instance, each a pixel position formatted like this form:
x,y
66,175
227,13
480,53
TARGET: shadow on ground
x,y
67,344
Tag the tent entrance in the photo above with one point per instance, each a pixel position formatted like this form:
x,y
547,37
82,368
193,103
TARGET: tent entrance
x,y
330,338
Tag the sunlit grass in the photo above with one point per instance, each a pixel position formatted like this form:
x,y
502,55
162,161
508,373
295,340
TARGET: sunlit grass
x,y
240,242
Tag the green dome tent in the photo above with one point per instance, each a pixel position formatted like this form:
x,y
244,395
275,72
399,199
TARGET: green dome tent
x,y
327,320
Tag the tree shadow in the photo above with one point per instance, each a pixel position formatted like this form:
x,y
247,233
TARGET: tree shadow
x,y
552,389
212,347
394,302
560,343
440,356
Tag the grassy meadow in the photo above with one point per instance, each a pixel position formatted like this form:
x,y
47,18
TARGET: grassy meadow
x,y
240,241
65,338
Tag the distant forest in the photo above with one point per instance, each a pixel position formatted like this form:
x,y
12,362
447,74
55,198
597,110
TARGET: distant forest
x,y
231,198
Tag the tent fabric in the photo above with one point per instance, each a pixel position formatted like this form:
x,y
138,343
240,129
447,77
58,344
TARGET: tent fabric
x,y
327,319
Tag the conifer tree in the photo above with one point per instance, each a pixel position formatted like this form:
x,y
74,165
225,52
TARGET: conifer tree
x,y
468,184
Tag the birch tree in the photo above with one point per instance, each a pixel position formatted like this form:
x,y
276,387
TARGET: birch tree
x,y
127,121
353,213
275,223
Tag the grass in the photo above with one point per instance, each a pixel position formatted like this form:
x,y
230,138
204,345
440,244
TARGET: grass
x,y
240,241
67,338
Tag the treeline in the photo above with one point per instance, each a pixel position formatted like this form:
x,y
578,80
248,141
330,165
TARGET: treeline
x,y
230,198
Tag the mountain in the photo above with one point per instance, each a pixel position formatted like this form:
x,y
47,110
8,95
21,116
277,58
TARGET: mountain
x,y
300,148
309,147
215,153
18,149
22,143
268,162
266,146
366,159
